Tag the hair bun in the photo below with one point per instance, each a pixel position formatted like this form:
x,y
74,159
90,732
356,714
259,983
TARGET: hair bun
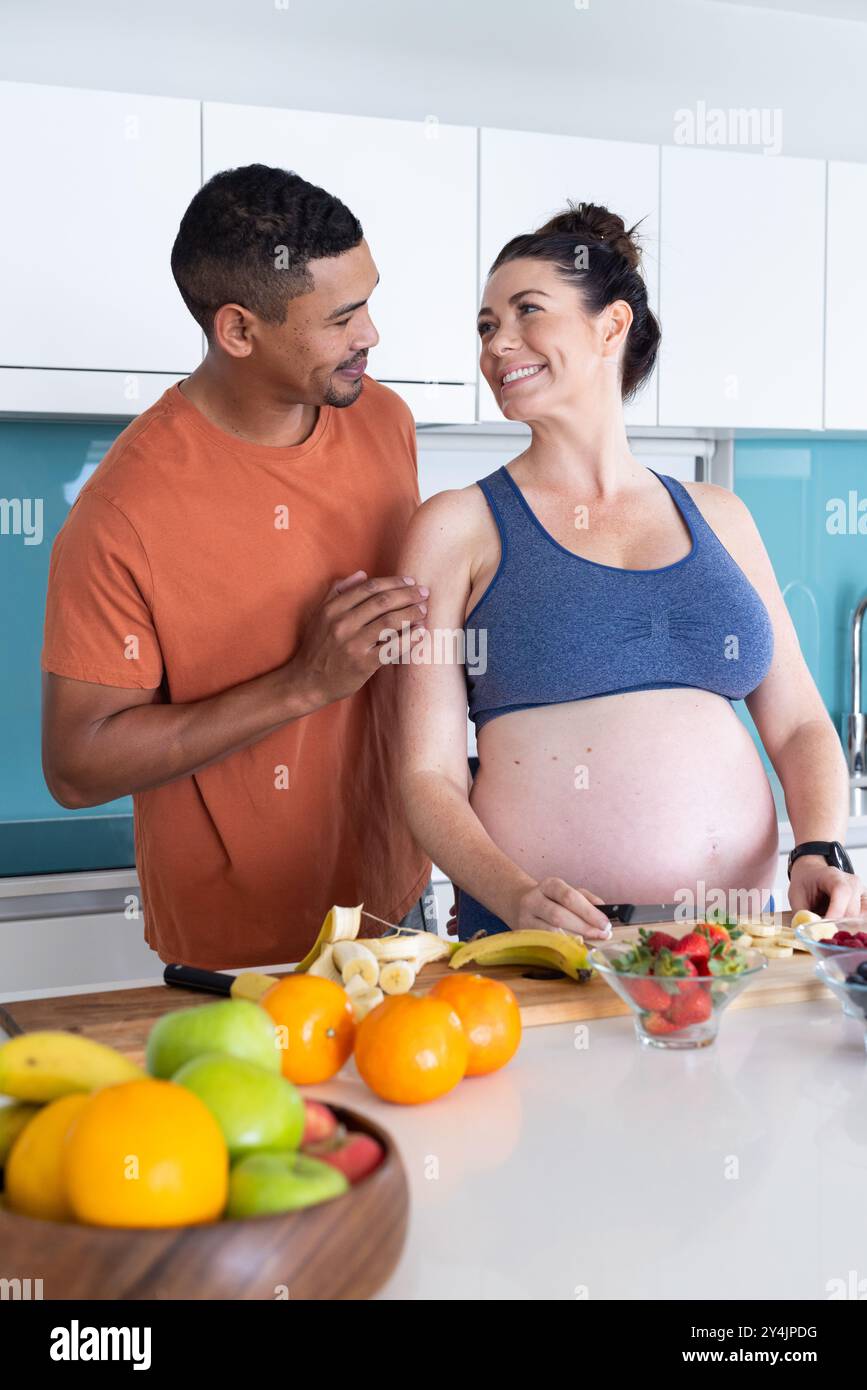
x,y
595,223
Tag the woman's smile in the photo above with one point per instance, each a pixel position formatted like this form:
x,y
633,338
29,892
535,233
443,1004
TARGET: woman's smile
x,y
516,376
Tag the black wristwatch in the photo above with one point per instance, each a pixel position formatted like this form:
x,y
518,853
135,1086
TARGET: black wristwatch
x,y
831,851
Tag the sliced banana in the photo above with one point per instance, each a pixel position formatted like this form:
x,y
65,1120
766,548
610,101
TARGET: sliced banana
x,y
354,958
776,950
765,929
802,917
363,1003
356,985
397,977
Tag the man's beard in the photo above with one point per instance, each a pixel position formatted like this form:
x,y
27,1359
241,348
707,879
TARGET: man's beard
x,y
333,396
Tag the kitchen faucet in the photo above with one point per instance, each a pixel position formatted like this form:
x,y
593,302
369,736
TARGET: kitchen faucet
x,y
855,722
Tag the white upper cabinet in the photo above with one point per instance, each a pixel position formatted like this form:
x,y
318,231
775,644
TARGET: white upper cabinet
x,y
95,186
412,184
742,292
846,299
526,177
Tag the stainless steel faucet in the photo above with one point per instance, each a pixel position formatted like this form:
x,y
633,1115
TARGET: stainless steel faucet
x,y
855,722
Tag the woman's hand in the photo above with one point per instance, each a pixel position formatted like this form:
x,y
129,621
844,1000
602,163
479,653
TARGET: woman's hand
x,y
815,883
553,903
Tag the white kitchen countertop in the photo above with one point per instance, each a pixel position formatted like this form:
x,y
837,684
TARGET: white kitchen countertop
x,y
604,1168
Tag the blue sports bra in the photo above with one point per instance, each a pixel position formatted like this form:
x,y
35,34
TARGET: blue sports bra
x,y
552,626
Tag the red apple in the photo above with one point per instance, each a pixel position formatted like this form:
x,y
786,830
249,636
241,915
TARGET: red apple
x,y
319,1123
355,1155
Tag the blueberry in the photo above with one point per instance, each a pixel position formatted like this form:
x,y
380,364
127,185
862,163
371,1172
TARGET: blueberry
x,y
862,970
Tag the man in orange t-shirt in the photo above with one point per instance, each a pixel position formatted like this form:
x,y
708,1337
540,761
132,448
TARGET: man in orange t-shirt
x,y
220,591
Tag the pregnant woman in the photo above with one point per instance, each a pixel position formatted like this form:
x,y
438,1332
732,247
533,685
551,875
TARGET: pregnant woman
x,y
611,615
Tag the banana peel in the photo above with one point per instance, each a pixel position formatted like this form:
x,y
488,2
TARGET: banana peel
x,y
341,924
403,943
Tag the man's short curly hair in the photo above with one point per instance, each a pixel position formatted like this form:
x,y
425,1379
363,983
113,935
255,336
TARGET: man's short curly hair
x,y
247,236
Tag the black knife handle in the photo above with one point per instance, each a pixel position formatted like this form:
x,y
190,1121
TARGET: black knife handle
x,y
191,977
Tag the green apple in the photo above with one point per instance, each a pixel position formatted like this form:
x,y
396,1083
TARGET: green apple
x,y
236,1026
255,1108
266,1183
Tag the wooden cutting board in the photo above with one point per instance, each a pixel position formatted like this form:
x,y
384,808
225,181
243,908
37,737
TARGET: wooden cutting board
x,y
123,1018
788,981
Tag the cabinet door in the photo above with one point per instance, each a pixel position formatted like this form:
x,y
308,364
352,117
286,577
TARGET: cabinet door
x,y
846,299
524,178
412,184
96,184
742,293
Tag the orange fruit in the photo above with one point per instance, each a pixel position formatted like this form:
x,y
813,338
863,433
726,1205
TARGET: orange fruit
x,y
35,1181
411,1048
146,1153
315,1026
490,1016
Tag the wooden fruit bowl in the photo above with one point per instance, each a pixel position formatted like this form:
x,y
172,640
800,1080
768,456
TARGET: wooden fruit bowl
x,y
342,1249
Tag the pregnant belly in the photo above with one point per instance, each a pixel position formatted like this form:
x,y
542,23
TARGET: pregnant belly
x,y
648,796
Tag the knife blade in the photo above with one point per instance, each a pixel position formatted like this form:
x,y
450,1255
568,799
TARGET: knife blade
x,y
636,913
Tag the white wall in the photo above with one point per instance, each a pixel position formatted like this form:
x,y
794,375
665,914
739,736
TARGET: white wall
x,y
618,68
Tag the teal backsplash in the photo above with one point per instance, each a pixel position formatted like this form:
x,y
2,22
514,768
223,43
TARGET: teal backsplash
x,y
796,491
42,463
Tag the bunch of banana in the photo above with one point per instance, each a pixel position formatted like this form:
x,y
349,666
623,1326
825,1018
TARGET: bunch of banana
x,y
374,967
552,949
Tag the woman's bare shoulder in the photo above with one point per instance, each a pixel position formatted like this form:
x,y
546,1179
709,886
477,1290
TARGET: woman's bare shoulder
x,y
722,509
454,518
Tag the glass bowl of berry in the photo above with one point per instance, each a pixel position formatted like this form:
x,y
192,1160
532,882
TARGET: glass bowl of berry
x,y
678,986
826,939
845,974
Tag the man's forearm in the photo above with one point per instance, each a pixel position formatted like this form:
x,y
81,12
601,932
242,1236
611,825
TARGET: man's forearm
x,y
149,745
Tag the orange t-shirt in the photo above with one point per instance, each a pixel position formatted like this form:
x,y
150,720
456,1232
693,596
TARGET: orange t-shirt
x,y
193,559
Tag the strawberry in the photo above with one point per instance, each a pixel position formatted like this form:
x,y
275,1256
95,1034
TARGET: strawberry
x,y
692,1007
714,931
667,963
659,1023
658,941
650,996
694,945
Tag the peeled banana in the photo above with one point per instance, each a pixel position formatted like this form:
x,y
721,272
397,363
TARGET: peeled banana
x,y
341,924
363,1003
355,958
553,949
397,977
44,1065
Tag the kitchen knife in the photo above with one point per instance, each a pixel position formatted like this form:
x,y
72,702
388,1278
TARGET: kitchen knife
x,y
636,913
247,985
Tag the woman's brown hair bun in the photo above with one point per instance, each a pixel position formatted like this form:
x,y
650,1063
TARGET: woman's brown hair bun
x,y
609,270
597,223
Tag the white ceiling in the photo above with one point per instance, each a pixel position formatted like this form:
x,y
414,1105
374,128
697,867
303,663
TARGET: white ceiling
x,y
819,9
617,69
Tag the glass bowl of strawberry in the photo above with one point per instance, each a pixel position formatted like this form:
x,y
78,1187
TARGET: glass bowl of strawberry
x,y
678,986
845,934
845,974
